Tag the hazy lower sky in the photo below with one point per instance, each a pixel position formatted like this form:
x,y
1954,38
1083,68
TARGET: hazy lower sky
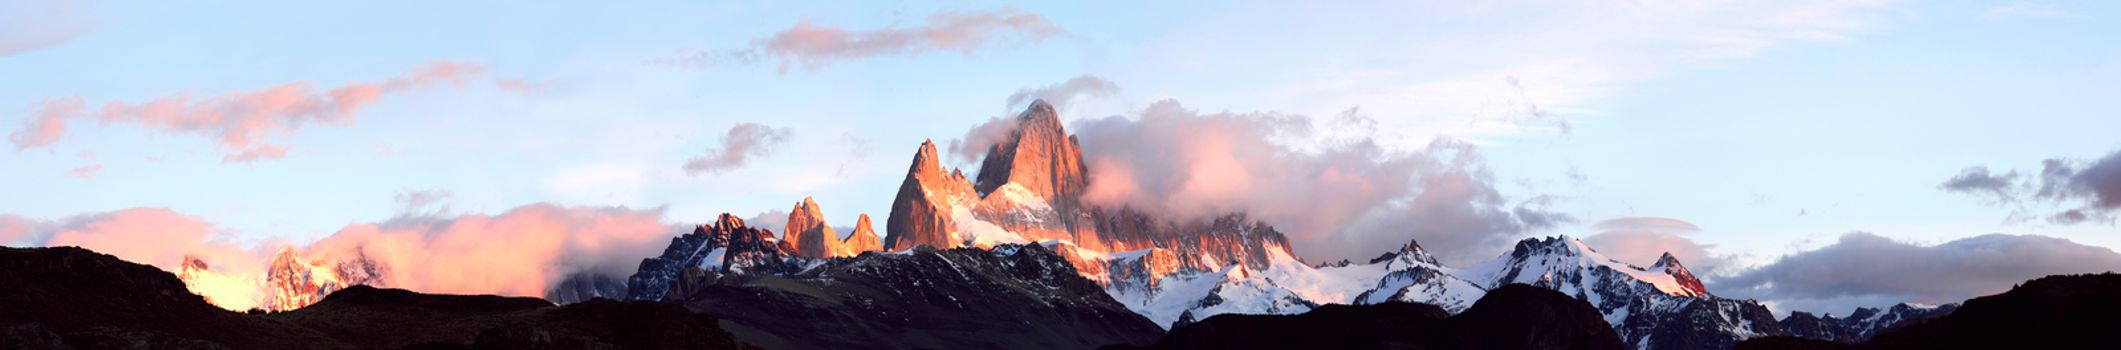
x,y
1773,128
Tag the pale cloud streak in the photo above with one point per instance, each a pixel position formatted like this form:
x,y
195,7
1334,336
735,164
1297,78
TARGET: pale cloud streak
x,y
31,25
86,172
1551,63
812,46
241,123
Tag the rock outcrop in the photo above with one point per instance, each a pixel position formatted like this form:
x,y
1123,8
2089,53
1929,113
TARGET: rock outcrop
x,y
1041,159
1029,189
923,212
810,235
727,246
864,238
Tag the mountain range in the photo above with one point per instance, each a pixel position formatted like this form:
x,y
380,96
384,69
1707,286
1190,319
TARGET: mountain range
x,y
1015,257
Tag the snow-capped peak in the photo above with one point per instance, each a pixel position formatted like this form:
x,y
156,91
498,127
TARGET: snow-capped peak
x,y
1670,266
1563,256
1407,255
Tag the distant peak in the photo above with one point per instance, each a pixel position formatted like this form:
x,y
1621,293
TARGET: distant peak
x,y
1666,260
1412,246
1411,250
1562,244
728,222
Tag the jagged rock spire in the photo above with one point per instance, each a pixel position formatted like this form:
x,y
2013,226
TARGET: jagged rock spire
x,y
863,239
920,214
809,234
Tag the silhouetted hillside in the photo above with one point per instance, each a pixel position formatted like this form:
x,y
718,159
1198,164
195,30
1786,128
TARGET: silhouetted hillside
x,y
58,298
1516,316
2054,312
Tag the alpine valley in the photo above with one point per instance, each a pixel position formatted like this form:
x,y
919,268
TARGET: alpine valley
x,y
1015,257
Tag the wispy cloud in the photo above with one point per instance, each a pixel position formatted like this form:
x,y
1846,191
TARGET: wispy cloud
x,y
742,143
86,172
812,46
31,25
242,122
415,201
1061,94
1541,73
2076,191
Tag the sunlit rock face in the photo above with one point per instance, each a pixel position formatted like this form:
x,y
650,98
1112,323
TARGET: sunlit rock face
x,y
809,233
1029,189
863,239
922,213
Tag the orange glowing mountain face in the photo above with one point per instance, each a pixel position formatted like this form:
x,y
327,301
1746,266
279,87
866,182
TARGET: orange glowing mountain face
x,y
291,281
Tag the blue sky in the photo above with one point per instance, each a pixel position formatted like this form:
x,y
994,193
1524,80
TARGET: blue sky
x,y
1775,127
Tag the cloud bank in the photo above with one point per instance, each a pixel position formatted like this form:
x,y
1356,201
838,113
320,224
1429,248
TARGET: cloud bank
x,y
742,143
1334,198
240,122
1862,265
2075,191
521,252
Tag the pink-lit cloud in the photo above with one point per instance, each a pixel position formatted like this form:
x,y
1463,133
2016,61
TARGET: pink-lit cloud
x,y
813,46
153,236
1643,240
47,124
14,229
86,172
1340,198
241,122
521,252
